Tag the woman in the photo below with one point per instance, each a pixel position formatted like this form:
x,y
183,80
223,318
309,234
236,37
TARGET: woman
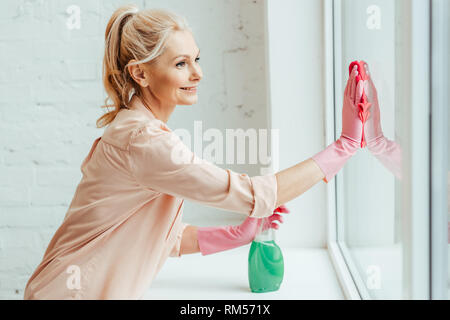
x,y
126,215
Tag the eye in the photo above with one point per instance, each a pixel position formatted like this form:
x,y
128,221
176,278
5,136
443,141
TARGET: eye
x,y
182,62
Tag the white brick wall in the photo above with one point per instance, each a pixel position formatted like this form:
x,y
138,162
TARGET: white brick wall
x,y
50,97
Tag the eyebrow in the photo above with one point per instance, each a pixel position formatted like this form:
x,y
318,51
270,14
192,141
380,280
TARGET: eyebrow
x,y
186,55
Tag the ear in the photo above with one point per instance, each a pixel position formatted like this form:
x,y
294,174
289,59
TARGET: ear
x,y
138,74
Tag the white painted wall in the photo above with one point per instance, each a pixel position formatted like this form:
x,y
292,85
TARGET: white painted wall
x,y
296,57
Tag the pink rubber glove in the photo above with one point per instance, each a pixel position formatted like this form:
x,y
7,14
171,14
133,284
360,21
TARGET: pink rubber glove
x,y
216,239
386,151
333,158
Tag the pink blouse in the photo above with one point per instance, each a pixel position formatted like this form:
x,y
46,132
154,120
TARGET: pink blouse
x,y
125,218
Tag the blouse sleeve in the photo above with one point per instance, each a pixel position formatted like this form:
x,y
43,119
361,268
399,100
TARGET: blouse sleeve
x,y
176,249
160,161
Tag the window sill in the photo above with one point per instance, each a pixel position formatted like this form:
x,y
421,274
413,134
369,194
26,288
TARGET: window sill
x,y
308,275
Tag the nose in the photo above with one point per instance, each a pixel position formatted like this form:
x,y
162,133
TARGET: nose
x,y
196,72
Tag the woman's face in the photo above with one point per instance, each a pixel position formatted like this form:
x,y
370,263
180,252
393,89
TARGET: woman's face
x,y
172,71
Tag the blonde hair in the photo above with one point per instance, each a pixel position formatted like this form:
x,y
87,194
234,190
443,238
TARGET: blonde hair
x,y
132,34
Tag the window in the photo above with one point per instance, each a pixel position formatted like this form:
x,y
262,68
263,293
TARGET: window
x,y
391,216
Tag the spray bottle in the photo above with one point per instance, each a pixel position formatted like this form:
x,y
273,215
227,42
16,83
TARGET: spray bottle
x,y
265,261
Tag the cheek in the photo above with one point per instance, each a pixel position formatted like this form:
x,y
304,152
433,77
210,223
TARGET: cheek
x,y
179,82
166,81
176,83
169,84
173,82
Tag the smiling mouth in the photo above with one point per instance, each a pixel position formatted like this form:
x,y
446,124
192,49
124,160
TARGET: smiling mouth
x,y
189,89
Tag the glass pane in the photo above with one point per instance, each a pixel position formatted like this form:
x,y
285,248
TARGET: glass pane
x,y
440,86
448,183
369,189
448,150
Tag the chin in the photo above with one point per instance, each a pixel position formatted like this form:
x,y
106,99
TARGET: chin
x,y
189,103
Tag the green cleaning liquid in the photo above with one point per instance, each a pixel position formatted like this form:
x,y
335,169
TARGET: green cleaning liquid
x,y
265,266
